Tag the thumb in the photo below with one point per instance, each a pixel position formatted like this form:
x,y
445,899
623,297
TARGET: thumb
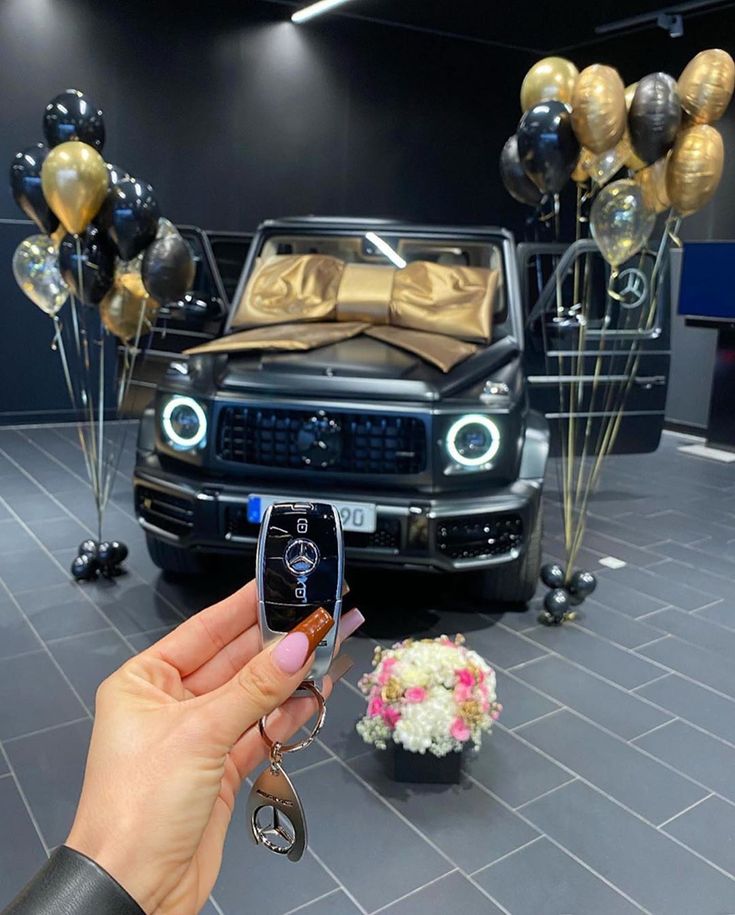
x,y
267,680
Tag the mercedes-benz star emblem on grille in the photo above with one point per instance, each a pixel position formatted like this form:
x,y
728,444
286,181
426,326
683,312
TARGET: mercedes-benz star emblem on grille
x,y
302,556
319,441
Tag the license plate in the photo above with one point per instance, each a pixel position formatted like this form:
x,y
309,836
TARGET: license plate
x,y
356,516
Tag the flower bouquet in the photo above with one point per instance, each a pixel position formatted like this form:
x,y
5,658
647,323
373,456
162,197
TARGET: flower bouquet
x,y
428,696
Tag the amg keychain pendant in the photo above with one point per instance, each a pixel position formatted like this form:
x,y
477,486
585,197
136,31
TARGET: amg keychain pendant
x,y
285,831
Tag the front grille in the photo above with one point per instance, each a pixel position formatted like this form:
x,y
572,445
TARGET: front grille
x,y
477,537
171,513
379,443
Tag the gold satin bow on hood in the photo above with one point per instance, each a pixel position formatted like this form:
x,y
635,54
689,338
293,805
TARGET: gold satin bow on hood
x,y
436,311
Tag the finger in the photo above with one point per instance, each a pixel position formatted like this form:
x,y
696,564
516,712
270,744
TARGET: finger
x,y
207,633
226,663
266,681
251,750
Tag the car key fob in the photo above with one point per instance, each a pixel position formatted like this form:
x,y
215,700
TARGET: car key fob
x,y
299,568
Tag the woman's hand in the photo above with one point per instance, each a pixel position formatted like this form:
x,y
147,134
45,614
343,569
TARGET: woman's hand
x,y
173,739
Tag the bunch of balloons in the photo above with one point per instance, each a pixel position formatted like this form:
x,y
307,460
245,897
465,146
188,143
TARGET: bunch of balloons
x,y
103,238
103,246
587,126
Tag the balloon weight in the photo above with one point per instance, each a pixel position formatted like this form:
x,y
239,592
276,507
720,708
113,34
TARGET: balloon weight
x,y
552,575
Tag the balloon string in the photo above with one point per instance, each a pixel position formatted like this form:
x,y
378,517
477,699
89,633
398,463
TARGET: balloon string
x,y
613,421
61,350
101,427
84,398
123,388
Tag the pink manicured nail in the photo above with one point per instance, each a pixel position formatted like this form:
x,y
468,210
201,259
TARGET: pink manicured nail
x,y
350,622
291,652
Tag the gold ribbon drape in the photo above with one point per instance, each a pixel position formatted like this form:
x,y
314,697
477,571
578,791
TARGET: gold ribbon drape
x,y
435,311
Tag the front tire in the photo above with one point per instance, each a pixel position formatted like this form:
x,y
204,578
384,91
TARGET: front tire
x,y
174,559
515,582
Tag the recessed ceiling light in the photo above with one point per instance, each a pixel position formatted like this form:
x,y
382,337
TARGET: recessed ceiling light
x,y
316,9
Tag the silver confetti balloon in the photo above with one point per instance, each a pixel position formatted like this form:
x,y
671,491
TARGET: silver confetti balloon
x,y
36,271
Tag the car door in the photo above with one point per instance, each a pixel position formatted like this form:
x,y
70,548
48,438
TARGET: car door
x,y
608,381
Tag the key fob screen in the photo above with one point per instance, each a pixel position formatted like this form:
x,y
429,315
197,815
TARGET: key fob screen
x,y
300,563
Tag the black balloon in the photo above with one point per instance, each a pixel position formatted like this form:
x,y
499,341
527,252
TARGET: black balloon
x,y
119,551
547,145
552,575
581,586
556,604
25,186
654,117
130,216
168,268
95,260
72,116
88,548
515,179
84,567
115,173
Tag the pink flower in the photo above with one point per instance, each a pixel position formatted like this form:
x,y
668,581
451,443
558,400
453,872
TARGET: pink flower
x,y
375,707
464,676
462,692
459,730
391,716
485,705
415,694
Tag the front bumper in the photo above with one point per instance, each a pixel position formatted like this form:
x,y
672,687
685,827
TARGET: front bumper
x,y
449,532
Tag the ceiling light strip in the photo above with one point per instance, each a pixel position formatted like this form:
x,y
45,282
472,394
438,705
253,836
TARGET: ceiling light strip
x,y
316,9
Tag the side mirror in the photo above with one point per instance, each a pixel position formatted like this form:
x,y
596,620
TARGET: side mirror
x,y
194,310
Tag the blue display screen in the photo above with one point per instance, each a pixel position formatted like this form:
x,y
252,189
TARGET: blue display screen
x,y
707,287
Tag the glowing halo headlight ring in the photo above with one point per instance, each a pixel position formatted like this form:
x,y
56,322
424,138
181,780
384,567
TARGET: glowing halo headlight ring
x,y
457,427
172,434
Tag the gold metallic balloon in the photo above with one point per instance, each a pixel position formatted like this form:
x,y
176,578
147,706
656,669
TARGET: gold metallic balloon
x,y
706,85
74,182
620,221
629,93
601,168
598,108
550,78
127,274
122,312
57,236
36,271
652,181
695,168
579,175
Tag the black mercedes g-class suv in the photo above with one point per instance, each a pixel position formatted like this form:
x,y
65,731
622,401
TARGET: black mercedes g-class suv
x,y
432,466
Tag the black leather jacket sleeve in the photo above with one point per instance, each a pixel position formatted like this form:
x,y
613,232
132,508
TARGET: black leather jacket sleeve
x,y
70,883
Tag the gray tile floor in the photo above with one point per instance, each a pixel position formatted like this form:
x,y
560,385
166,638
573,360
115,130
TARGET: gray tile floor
x,y
606,788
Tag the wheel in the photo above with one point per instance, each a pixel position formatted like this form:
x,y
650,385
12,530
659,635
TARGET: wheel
x,y
174,559
516,582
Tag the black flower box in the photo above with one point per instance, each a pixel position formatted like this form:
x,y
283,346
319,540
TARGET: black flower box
x,y
406,766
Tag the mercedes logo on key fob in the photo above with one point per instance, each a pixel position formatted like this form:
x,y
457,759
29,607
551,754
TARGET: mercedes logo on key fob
x,y
300,567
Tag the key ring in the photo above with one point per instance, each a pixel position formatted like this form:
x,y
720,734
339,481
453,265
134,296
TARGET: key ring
x,y
281,748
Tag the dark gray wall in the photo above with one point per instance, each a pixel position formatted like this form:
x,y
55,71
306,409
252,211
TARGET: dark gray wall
x,y
235,115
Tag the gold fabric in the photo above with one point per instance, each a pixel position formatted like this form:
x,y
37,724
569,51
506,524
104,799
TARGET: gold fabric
x,y
364,293
434,310
452,300
441,351
284,337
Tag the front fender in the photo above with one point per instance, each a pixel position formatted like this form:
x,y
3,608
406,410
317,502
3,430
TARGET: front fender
x,y
535,447
146,443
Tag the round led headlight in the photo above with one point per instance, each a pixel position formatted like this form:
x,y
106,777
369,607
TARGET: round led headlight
x,y
184,422
473,440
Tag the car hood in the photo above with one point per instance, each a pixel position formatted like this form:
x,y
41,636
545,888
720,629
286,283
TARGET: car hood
x,y
360,366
